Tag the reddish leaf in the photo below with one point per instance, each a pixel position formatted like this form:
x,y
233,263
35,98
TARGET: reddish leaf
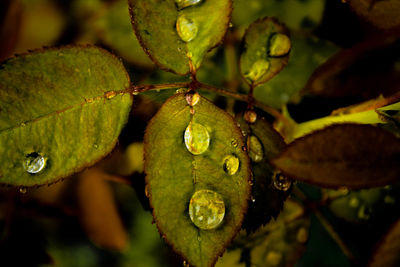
x,y
351,155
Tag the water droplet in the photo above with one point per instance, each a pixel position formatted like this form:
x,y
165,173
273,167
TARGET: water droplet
x,y
34,163
230,25
186,28
389,199
186,3
281,182
253,199
192,98
234,142
198,238
196,138
135,91
146,191
185,264
110,94
250,116
274,258
181,90
251,182
258,69
231,164
364,212
354,202
206,209
256,150
279,45
96,146
302,235
22,190
23,124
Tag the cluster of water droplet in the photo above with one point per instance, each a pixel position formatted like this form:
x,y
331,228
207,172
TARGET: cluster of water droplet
x,y
186,27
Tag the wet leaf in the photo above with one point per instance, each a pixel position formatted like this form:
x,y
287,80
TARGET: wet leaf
x,y
195,163
387,254
115,29
267,201
266,46
382,14
98,212
60,110
367,69
177,38
351,155
305,56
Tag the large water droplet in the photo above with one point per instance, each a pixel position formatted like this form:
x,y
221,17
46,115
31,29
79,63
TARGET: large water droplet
x,y
206,209
196,138
258,69
192,98
231,164
281,182
186,28
256,150
279,45
34,163
186,3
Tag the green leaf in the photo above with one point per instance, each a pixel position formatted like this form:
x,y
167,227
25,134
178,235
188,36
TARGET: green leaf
x,y
266,47
188,151
267,200
201,27
305,56
115,29
351,155
387,254
60,110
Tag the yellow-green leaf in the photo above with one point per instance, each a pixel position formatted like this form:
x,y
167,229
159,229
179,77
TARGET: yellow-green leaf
x,y
197,176
178,36
266,48
60,110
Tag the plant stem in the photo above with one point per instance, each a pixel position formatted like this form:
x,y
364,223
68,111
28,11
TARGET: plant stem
x,y
137,89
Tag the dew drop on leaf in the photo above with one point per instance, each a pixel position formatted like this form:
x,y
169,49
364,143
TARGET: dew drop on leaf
x,y
22,190
192,98
196,138
256,150
258,69
186,28
34,163
231,164
234,142
281,182
206,209
250,116
186,3
279,45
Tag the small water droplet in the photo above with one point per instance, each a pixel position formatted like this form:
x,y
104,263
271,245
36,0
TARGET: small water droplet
x,y
22,190
302,235
279,45
250,116
281,182
206,209
274,258
146,191
23,124
196,138
231,164
34,163
135,91
253,199
230,25
199,238
234,142
389,199
181,90
354,202
186,28
244,148
251,183
192,98
256,150
181,4
185,264
258,69
110,94
364,212
96,146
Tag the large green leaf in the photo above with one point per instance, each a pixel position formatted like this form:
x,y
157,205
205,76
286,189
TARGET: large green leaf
x,y
202,25
216,161
60,109
266,48
351,155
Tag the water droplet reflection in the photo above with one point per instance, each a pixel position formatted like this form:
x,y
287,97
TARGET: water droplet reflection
x,y
196,138
279,45
281,182
257,70
192,98
186,3
231,164
186,28
250,116
256,150
206,209
34,163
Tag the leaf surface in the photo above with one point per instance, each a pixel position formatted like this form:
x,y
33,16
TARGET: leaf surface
x,y
60,110
204,26
174,174
351,155
266,47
